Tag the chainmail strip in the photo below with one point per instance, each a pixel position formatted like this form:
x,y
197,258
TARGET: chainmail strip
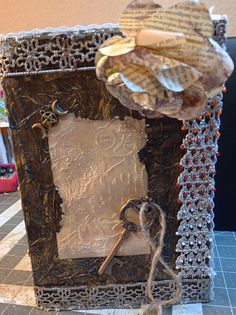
x,y
197,193
118,296
198,186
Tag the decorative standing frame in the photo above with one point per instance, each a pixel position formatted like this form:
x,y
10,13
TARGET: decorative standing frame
x,y
59,58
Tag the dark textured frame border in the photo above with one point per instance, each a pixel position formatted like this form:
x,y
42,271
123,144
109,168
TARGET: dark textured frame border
x,y
41,199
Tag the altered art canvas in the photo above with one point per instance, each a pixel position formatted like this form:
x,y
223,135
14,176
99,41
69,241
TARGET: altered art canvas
x,y
115,131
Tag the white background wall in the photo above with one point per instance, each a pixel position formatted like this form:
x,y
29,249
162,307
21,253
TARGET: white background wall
x,y
24,15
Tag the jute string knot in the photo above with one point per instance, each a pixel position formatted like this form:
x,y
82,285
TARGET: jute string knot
x,y
156,241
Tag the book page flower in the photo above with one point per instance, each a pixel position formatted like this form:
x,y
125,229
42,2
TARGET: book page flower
x,y
166,63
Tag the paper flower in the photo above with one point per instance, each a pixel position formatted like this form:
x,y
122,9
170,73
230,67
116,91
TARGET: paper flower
x,y
167,63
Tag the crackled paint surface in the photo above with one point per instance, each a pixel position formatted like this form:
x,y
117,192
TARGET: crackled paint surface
x,y
97,170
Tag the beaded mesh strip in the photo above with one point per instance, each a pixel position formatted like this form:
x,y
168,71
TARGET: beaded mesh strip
x,y
196,195
198,186
49,52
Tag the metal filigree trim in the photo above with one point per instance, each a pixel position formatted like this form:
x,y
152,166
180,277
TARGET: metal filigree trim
x,y
51,51
59,30
118,296
63,49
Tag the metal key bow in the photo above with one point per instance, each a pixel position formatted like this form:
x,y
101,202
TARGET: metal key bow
x,y
129,226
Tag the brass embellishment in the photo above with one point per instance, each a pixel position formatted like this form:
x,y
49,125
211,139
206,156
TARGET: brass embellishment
x,y
49,118
39,126
58,110
133,205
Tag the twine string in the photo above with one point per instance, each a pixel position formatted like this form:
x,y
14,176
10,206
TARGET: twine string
x,y
157,242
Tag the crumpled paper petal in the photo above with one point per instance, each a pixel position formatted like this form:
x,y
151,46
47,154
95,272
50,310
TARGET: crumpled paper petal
x,y
141,102
144,57
192,18
220,67
133,17
213,62
194,102
159,39
118,47
170,105
140,76
167,64
103,66
178,78
145,100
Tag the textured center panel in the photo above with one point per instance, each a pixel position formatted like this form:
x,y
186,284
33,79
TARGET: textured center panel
x,y
97,169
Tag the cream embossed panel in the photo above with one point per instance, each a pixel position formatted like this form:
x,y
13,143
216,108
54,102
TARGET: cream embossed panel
x,y
97,169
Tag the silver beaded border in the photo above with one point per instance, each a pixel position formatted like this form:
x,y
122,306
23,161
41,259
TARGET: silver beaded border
x,y
195,245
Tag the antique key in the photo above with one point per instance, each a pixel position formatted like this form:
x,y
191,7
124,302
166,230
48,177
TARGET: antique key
x,y
129,226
